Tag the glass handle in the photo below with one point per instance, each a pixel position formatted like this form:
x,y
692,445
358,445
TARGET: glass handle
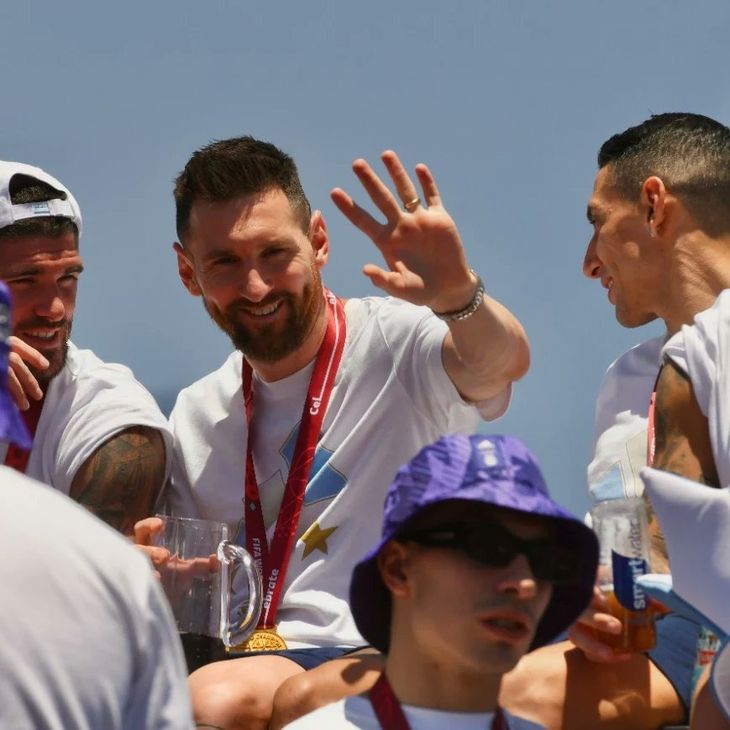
x,y
233,559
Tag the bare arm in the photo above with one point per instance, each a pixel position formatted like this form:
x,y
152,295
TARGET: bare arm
x,y
486,352
682,445
121,480
426,264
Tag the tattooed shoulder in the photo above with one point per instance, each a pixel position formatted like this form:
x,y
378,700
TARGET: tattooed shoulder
x,y
121,480
682,433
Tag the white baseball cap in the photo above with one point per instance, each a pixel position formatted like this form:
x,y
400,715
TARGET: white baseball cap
x,y
64,205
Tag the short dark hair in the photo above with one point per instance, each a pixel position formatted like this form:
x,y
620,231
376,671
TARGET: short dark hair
x,y
229,168
691,155
27,189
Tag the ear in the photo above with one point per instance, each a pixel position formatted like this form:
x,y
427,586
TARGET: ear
x,y
653,201
393,567
319,238
186,271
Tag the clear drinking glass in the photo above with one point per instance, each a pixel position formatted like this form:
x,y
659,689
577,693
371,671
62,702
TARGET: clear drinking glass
x,y
212,584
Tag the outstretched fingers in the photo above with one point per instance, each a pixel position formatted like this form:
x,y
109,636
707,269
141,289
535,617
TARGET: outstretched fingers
x,y
428,184
358,216
378,191
403,184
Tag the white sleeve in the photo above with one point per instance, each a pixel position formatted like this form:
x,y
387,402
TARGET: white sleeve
x,y
159,695
105,400
415,338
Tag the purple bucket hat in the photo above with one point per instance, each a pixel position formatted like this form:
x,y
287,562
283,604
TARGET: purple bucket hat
x,y
497,471
12,426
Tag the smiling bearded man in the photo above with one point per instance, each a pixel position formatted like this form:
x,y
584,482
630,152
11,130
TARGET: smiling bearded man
x,y
99,435
294,438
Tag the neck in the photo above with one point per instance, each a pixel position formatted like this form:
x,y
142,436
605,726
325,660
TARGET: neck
x,y
295,361
422,680
701,270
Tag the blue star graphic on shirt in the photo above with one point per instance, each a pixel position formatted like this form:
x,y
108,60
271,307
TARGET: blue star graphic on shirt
x,y
325,482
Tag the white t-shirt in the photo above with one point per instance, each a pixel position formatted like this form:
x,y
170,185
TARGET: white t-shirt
x,y
702,351
622,409
391,397
86,404
86,635
357,712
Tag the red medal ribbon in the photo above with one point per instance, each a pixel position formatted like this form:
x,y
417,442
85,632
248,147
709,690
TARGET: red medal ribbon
x,y
273,562
650,431
17,458
390,714
651,424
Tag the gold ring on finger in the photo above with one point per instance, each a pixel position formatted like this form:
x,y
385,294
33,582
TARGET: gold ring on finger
x,y
411,205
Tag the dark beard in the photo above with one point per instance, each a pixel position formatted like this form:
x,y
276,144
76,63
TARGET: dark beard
x,y
274,342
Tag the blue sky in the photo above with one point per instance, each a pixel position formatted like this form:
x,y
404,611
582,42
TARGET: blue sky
x,y
506,101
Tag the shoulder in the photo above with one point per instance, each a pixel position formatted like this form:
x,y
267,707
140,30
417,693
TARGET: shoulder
x,y
628,382
85,373
212,395
226,379
393,321
84,363
702,349
385,309
642,360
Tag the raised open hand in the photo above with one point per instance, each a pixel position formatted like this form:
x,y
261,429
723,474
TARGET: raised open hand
x,y
419,241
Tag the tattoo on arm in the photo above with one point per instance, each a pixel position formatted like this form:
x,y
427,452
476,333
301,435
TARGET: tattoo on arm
x,y
682,433
121,480
682,445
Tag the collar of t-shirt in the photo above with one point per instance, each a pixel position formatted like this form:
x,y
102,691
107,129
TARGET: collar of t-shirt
x,y
422,718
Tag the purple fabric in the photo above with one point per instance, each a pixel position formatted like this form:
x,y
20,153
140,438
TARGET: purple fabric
x,y
496,470
499,471
12,426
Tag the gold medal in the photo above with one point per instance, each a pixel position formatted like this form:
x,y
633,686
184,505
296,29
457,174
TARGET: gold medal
x,y
266,639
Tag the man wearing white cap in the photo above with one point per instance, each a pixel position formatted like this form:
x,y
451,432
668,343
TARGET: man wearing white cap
x,y
99,436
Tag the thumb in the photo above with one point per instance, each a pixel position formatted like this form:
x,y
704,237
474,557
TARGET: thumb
x,y
145,529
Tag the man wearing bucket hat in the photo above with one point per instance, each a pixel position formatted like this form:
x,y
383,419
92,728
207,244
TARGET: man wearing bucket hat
x,y
475,567
87,637
98,434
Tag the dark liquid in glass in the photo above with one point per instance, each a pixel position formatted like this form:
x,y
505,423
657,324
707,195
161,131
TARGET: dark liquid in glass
x,y
201,650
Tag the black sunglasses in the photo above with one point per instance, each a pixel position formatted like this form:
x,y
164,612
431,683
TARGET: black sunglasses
x,y
491,544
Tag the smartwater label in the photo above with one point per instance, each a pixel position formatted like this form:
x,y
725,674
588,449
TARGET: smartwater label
x,y
625,571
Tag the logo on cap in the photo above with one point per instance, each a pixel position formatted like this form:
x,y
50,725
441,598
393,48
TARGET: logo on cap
x,y
40,209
